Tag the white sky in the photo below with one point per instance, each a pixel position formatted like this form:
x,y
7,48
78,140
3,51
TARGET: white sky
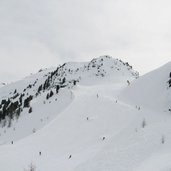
x,y
37,34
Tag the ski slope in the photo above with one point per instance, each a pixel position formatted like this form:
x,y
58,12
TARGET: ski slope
x,y
106,122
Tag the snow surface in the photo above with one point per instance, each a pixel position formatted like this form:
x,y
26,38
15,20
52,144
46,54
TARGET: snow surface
x,y
109,121
2,84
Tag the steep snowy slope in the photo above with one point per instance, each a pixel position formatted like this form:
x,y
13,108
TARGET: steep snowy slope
x,y
151,90
17,125
77,131
99,118
145,144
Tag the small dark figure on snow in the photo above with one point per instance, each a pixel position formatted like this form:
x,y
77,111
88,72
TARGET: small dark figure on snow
x,y
12,142
69,157
103,138
128,82
40,153
87,118
97,96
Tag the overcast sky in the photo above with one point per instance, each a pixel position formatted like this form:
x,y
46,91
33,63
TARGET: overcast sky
x,y
37,34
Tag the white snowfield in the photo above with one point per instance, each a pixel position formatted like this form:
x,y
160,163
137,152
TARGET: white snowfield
x,y
111,120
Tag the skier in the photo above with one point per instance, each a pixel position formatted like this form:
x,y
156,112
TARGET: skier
x,y
128,82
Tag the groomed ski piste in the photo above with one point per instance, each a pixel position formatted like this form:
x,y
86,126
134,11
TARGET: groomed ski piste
x,y
101,117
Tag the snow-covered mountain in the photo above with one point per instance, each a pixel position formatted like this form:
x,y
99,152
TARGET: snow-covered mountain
x,y
90,116
39,98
